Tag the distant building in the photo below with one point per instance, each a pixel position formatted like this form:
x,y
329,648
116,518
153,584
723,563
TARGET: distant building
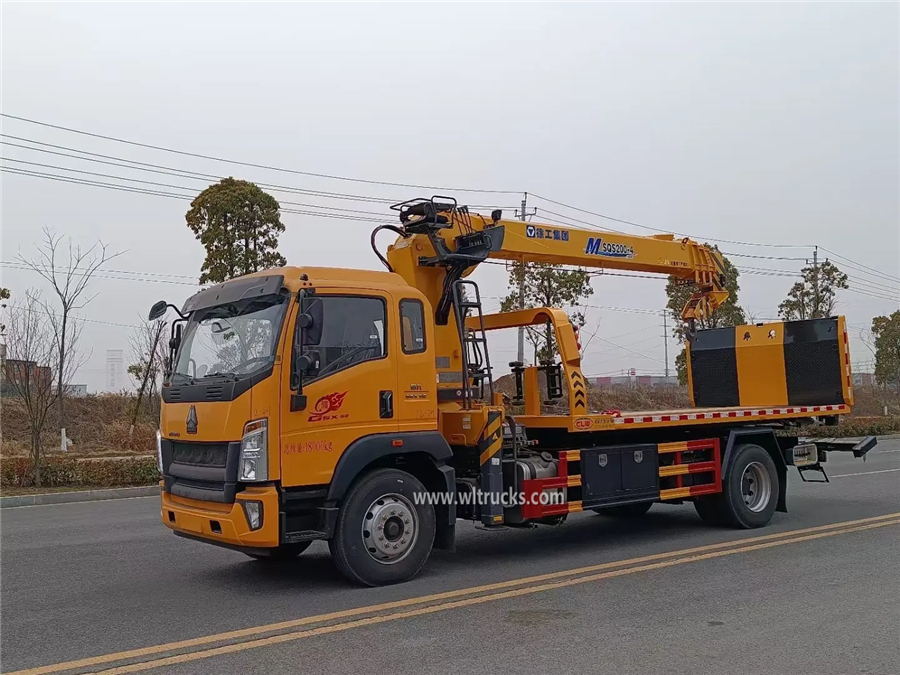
x,y
15,371
863,379
115,370
75,389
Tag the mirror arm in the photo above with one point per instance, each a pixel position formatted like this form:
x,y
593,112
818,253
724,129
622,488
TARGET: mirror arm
x,y
178,311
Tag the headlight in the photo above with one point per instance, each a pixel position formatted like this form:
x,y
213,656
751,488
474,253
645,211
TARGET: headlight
x,y
254,452
159,462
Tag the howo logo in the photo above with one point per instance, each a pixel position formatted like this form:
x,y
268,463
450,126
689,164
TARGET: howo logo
x,y
326,408
191,423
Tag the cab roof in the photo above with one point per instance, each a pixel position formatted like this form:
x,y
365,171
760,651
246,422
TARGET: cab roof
x,y
271,281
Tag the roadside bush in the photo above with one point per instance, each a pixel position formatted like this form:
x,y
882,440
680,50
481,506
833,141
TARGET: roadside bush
x,y
848,428
71,472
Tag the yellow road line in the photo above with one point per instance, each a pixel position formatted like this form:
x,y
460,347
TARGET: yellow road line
x,y
396,604
468,602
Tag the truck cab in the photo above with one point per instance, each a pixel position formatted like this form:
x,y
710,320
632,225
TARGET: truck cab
x,y
284,385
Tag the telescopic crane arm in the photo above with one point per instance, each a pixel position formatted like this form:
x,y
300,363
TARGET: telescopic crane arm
x,y
449,236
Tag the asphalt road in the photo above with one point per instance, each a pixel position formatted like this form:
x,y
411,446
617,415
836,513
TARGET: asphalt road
x,y
88,579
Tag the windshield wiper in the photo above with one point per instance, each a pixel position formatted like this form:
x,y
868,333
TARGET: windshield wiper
x,y
226,374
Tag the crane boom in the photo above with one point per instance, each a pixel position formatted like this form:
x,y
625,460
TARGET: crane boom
x,y
449,236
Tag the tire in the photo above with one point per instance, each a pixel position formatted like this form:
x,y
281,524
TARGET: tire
x,y
283,552
711,510
626,510
399,543
750,489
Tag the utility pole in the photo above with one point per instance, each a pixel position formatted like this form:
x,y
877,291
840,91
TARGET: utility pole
x,y
815,283
666,343
520,354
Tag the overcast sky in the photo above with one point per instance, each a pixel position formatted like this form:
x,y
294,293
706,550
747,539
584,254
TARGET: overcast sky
x,y
769,123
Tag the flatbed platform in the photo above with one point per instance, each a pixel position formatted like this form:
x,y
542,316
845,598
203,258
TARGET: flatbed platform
x,y
609,421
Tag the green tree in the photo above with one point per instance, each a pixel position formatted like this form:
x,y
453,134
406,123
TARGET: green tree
x,y
238,225
547,285
815,296
886,331
729,313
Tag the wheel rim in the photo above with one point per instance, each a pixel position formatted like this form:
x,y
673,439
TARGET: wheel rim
x,y
390,528
756,487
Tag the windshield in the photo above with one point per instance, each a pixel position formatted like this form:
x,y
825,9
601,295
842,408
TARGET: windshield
x,y
231,340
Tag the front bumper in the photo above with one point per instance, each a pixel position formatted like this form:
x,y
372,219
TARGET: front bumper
x,y
224,524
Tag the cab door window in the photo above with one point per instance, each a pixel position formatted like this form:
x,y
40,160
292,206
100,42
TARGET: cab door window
x,y
412,326
354,330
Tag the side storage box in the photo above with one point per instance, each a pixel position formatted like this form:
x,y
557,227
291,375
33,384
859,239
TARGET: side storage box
x,y
619,475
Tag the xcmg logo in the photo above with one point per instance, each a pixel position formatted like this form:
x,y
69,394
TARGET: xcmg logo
x,y
596,246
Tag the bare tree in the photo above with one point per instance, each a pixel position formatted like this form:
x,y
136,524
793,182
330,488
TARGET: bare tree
x,y
149,353
32,362
69,279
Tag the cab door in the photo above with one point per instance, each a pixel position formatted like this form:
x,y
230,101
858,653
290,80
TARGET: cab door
x,y
416,384
351,390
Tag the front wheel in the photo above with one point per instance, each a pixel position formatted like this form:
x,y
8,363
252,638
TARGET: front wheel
x,y
382,536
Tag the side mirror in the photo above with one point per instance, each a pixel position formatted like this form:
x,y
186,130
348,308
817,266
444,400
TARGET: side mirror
x,y
310,321
158,309
306,361
175,340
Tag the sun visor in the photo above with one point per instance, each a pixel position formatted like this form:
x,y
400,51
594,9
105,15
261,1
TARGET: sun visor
x,y
234,290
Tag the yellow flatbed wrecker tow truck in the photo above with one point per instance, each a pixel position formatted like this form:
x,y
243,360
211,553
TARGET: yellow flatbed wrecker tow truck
x,y
358,406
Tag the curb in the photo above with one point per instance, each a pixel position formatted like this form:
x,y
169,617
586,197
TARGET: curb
x,y
80,496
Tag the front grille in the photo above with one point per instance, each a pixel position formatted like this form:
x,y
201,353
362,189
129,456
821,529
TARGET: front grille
x,y
204,471
201,454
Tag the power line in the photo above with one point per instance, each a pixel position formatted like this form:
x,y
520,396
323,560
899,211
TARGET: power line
x,y
147,167
26,268
860,265
656,229
196,155
325,194
76,268
761,257
167,185
874,289
171,195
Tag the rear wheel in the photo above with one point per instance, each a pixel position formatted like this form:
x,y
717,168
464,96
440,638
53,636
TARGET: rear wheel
x,y
626,510
750,488
283,552
382,536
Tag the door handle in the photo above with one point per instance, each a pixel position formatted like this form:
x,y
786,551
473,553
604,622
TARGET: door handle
x,y
386,404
